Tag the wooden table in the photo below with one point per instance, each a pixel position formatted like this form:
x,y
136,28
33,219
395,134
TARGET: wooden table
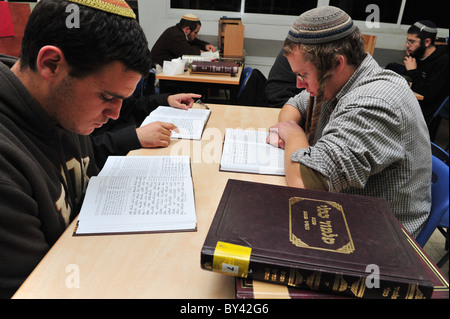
x,y
199,83
163,265
418,96
203,77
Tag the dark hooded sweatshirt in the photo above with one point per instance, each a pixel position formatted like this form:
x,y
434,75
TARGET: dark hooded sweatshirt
x,y
44,171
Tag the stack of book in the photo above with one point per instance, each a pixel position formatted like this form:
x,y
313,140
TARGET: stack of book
x,y
329,243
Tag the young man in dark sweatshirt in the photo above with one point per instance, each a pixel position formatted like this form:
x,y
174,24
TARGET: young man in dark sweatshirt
x,y
67,82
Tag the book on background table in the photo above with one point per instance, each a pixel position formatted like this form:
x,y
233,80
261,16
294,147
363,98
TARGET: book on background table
x,y
247,151
322,241
190,122
219,67
134,194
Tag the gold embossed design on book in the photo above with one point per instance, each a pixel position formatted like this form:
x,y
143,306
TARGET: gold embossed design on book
x,y
319,224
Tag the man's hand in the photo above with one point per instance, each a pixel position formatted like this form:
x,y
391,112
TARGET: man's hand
x,y
410,63
284,132
291,137
183,100
274,139
155,134
210,47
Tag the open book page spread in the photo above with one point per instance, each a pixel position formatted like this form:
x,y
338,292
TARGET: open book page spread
x,y
190,122
139,194
247,151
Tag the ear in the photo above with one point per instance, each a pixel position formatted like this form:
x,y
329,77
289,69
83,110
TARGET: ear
x,y
187,30
50,62
427,42
340,63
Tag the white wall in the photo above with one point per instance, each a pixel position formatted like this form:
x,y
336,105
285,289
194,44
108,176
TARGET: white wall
x,y
155,16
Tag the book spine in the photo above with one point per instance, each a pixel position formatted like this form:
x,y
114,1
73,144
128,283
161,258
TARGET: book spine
x,y
214,68
325,280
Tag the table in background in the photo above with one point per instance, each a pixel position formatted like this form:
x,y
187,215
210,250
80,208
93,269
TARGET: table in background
x,y
163,265
199,83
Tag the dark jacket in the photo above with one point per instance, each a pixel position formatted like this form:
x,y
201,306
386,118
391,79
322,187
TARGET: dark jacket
x,y
173,44
281,84
44,171
431,79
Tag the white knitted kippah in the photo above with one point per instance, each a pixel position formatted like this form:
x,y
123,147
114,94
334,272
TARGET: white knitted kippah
x,y
190,17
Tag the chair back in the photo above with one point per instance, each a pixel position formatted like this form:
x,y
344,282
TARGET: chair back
x,y
442,111
369,43
439,193
244,78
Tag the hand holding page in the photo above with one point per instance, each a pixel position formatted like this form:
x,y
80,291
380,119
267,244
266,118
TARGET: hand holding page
x,y
247,151
190,122
139,194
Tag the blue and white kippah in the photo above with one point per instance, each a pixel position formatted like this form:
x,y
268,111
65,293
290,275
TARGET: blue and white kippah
x,y
321,25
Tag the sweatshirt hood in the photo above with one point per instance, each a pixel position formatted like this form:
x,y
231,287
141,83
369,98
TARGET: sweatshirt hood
x,y
28,113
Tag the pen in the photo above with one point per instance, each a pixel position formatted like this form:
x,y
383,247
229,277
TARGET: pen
x,y
202,103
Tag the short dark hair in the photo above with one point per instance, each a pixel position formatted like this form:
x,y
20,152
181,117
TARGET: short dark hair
x,y
102,38
188,23
422,35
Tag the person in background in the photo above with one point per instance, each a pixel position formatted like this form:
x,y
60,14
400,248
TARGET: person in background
x,y
180,39
356,128
66,83
121,135
281,84
425,66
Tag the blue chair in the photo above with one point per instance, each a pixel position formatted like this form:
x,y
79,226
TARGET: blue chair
x,y
442,111
146,86
443,228
244,78
439,193
139,91
439,114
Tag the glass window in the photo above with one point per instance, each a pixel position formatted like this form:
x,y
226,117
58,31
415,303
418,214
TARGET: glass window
x,y
284,7
419,10
389,9
228,5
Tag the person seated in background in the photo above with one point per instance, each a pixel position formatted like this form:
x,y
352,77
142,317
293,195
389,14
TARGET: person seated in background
x,y
281,84
119,136
180,39
356,128
425,66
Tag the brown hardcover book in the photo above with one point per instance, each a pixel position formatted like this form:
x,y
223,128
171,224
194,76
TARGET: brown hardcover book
x,y
214,67
330,242
246,288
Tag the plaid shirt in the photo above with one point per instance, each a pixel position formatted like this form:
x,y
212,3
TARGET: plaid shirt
x,y
372,140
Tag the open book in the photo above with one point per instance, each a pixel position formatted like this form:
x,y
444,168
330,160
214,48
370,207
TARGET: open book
x,y
247,151
190,122
139,194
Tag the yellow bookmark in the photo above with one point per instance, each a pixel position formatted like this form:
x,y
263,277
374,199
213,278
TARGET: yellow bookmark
x,y
231,259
